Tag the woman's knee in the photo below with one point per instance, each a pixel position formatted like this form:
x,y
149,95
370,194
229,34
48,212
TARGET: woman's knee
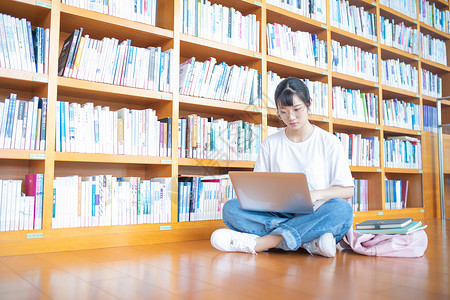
x,y
341,207
230,208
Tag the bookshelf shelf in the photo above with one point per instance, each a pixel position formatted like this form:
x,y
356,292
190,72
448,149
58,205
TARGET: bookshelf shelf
x,y
99,25
388,52
293,20
22,80
399,130
403,171
122,94
390,13
434,67
345,37
216,163
190,103
352,82
32,10
22,154
355,124
283,66
200,48
393,92
110,158
365,169
427,29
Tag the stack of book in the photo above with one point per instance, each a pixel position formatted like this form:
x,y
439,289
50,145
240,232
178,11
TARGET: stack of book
x,y
105,200
399,75
218,139
431,84
390,226
107,61
354,105
23,48
433,49
202,198
401,114
19,211
361,151
402,152
399,36
23,123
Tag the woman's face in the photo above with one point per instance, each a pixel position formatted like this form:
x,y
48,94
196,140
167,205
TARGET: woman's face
x,y
294,116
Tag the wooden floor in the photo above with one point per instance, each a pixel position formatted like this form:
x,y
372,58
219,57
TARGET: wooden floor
x,y
195,270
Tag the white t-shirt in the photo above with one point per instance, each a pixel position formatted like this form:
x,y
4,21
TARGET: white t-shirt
x,y
321,157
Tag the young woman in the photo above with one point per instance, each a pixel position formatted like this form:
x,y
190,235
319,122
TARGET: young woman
x,y
300,147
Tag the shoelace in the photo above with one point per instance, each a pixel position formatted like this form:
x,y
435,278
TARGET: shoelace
x,y
243,245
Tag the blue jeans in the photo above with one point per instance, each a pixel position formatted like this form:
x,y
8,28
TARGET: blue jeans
x,y
334,216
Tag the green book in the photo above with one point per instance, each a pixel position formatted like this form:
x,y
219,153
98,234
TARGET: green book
x,y
413,226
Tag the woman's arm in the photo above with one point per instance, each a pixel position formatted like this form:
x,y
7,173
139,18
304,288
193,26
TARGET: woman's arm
x,y
332,192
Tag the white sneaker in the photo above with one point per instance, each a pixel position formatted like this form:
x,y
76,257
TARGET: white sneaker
x,y
324,245
233,241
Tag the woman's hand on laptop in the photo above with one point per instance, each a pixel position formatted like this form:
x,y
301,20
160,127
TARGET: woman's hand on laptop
x,y
333,192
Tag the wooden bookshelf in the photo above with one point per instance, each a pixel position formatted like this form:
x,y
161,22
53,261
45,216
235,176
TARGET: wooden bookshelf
x,y
63,19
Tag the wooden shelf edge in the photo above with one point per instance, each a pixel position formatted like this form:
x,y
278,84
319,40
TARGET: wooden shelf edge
x,y
35,78
298,17
397,13
39,3
215,163
110,158
219,104
297,65
354,36
435,65
436,31
400,91
402,130
353,79
365,169
63,239
22,154
344,122
105,88
216,45
117,21
399,52
403,171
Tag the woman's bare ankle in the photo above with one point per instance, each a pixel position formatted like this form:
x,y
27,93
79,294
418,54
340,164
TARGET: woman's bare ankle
x,y
267,242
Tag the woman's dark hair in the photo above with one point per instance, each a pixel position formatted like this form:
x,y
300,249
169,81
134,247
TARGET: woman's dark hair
x,y
286,90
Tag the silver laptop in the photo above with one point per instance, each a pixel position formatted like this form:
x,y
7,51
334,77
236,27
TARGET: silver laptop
x,y
274,192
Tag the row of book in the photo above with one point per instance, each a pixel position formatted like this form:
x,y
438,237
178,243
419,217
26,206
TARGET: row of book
x,y
399,75
360,199
143,11
431,84
406,7
208,79
220,23
21,47
354,61
105,200
354,105
433,49
86,128
299,46
360,151
218,139
430,119
23,123
317,90
20,211
107,61
353,19
314,9
432,16
399,36
202,198
396,192
398,113
402,152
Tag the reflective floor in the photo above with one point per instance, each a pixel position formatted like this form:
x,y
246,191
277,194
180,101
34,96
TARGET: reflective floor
x,y
195,270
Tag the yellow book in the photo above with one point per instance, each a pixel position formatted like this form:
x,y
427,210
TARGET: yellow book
x,y
76,65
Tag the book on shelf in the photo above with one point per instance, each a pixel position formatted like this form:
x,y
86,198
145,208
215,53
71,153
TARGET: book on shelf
x,y
360,199
399,113
143,11
220,23
433,16
413,226
105,200
202,197
396,194
23,123
314,9
19,211
107,61
400,75
399,36
430,119
362,151
354,105
299,46
207,79
431,84
384,223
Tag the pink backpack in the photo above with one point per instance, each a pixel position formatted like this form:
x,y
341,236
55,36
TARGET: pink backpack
x,y
393,245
